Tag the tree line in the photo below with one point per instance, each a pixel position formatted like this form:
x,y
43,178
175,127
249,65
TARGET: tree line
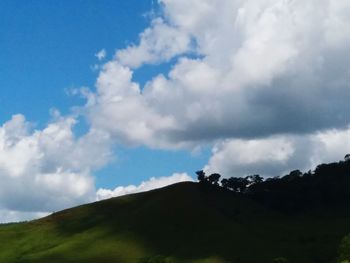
x,y
327,184
236,184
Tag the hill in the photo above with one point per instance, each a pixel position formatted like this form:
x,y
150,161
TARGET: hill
x,y
185,222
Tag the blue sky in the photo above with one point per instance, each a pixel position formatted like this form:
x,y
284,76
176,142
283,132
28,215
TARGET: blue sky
x,y
49,47
233,87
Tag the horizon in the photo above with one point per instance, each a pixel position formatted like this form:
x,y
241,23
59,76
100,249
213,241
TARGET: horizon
x,y
105,98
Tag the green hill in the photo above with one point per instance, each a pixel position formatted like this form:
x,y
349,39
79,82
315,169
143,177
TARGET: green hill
x,y
185,222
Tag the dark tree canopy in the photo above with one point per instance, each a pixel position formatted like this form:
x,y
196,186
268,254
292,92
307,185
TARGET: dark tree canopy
x,y
295,174
254,179
214,178
224,183
201,176
327,184
347,157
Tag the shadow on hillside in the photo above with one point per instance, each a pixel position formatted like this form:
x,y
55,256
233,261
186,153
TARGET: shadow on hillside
x,y
188,221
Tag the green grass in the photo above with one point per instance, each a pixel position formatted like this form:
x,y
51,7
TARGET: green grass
x,y
180,223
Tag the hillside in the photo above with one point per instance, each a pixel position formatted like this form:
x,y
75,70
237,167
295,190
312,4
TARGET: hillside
x,y
185,222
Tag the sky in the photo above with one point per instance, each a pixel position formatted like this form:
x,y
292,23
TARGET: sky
x,y
105,98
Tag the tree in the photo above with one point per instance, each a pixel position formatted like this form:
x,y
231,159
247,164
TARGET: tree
x,y
242,184
232,184
214,178
254,179
224,183
347,157
201,176
237,184
293,175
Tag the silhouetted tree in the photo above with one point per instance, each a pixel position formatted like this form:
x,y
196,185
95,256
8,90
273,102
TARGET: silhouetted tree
x,y
328,184
224,183
214,178
347,157
201,176
254,179
232,184
292,175
237,184
242,184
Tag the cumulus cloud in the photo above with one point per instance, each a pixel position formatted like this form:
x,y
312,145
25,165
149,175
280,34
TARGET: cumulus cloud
x,y
119,108
243,69
18,216
160,42
278,155
267,80
49,169
150,184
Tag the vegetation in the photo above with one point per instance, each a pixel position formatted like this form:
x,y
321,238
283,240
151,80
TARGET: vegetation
x,y
301,218
327,185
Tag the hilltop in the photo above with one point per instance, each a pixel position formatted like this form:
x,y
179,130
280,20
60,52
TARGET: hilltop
x,y
185,222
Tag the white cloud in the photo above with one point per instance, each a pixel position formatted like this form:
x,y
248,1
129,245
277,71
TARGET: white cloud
x,y
158,43
118,108
150,184
251,63
269,79
332,145
18,216
101,54
49,169
278,155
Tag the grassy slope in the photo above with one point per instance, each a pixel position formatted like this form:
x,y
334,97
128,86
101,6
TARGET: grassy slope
x,y
183,222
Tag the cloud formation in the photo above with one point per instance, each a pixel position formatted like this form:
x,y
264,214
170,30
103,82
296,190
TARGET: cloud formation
x,y
266,81
159,43
278,155
18,216
50,169
243,69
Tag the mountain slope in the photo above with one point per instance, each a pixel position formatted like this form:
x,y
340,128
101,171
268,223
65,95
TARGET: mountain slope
x,y
185,222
